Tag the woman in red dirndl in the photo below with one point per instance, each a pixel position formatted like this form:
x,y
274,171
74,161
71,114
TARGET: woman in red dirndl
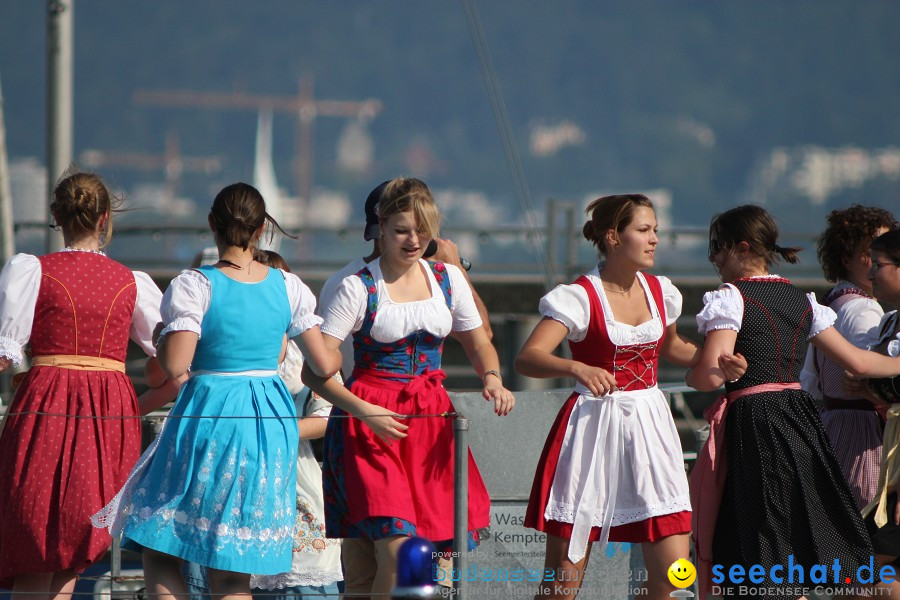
x,y
78,310
612,467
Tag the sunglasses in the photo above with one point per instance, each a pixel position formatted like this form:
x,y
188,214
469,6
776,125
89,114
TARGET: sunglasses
x,y
716,246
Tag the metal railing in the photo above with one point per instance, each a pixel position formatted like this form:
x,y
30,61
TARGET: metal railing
x,y
499,252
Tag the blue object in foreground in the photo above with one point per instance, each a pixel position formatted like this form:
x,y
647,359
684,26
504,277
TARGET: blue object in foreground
x,y
415,570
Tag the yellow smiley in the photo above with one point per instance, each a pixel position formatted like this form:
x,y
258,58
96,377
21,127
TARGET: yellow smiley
x,y
682,573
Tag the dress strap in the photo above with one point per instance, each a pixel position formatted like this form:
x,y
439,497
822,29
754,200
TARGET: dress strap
x,y
597,319
440,275
657,294
368,282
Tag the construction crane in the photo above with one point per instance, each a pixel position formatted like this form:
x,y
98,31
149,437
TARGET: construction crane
x,y
304,105
171,162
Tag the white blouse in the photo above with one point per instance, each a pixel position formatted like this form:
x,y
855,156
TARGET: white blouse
x,y
857,320
20,282
885,333
345,313
569,304
724,309
187,299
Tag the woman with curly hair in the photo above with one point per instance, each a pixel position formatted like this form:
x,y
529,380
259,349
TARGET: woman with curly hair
x,y
852,422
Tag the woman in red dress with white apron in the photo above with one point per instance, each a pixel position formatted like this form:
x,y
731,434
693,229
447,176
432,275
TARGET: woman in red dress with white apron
x,y
612,467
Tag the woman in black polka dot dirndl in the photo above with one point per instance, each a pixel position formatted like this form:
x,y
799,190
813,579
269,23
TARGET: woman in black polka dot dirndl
x,y
783,493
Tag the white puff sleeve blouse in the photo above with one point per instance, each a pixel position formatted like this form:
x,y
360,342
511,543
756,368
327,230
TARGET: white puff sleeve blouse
x,y
569,304
724,309
20,282
187,299
393,321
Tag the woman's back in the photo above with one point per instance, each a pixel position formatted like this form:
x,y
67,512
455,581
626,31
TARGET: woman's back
x,y
84,306
244,326
774,330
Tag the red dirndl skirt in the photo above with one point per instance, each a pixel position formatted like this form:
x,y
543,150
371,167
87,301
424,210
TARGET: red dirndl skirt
x,y
412,478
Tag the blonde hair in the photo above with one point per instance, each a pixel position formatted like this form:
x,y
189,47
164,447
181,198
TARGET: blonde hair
x,y
405,194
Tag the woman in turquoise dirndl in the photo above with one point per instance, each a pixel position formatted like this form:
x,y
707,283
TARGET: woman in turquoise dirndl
x,y
217,487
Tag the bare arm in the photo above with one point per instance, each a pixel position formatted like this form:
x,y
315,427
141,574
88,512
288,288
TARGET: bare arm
x,y
483,356
536,359
378,420
860,363
707,374
155,398
482,310
685,353
312,428
162,390
175,353
153,373
324,360
679,350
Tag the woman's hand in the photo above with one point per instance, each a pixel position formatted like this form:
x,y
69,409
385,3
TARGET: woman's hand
x,y
733,366
599,381
502,397
5,363
379,420
382,423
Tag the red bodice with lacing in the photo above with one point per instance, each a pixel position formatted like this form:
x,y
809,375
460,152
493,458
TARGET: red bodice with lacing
x,y
634,366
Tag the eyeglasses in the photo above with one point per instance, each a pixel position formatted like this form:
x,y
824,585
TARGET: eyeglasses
x,y
876,266
716,246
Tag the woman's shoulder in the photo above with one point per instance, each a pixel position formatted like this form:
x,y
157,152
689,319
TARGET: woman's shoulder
x,y
726,295
666,285
23,261
189,280
569,298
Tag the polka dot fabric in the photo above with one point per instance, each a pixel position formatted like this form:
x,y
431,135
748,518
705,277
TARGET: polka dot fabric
x,y
784,492
57,471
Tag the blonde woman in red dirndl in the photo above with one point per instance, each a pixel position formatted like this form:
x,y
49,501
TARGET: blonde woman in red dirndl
x,y
399,308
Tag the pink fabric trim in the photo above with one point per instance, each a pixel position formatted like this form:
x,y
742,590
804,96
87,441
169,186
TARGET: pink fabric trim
x,y
708,477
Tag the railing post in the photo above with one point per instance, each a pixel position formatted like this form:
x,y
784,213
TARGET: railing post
x,y
460,501
552,233
115,564
572,238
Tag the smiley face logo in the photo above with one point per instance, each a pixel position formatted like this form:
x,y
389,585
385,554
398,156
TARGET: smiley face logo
x,y
682,573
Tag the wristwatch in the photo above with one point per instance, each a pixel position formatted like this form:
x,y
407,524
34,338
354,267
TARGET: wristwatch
x,y
893,347
493,372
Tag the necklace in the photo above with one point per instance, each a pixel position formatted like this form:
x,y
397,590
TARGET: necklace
x,y
76,249
235,265
625,291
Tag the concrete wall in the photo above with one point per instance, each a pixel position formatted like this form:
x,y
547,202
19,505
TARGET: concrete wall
x,y
510,561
